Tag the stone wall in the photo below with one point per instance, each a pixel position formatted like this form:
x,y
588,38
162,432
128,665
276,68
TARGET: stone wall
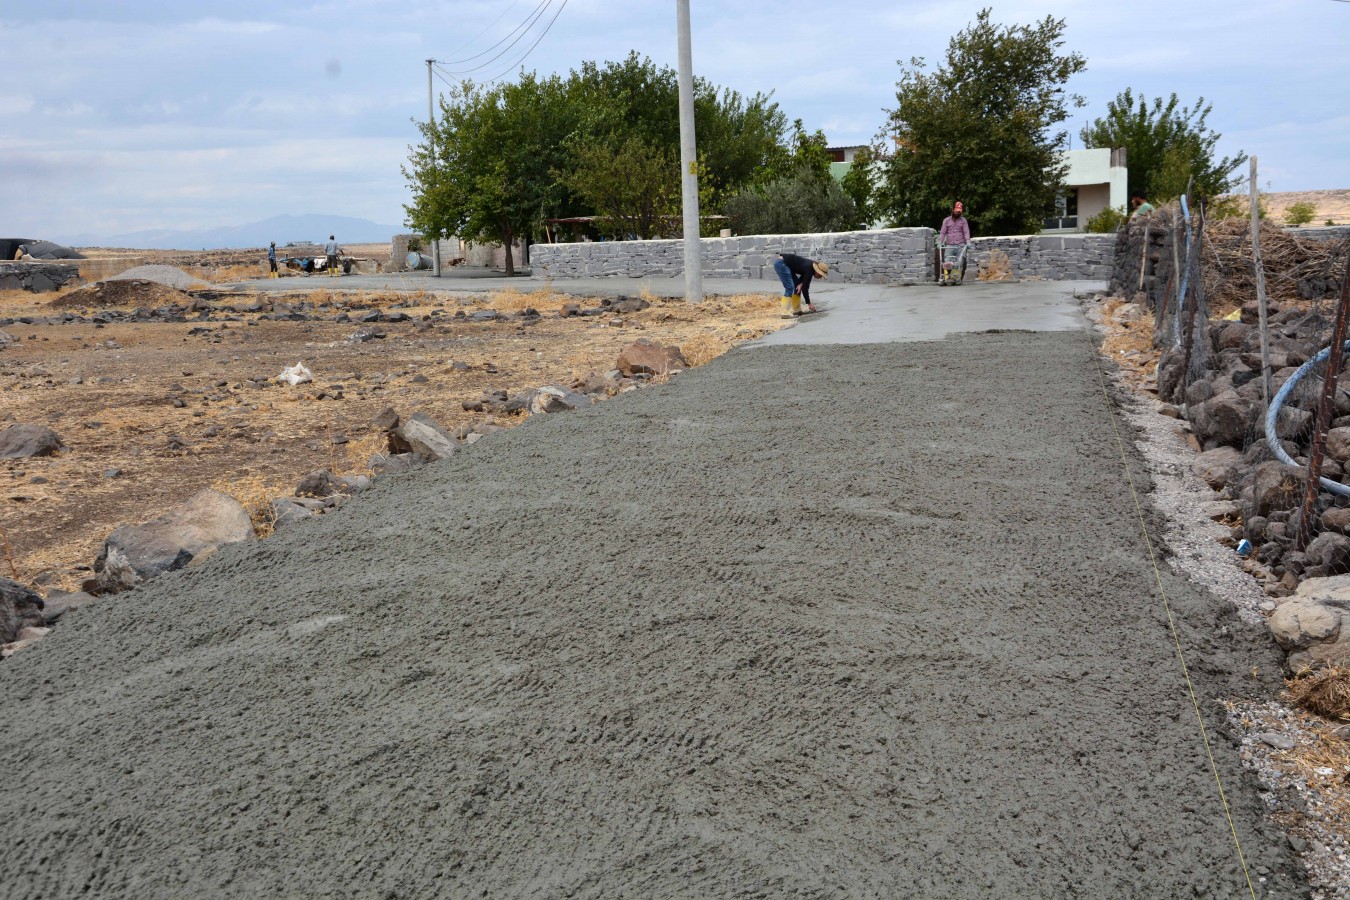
x,y
887,256
38,277
1054,257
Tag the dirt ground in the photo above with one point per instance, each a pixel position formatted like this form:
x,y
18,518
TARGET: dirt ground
x,y
153,411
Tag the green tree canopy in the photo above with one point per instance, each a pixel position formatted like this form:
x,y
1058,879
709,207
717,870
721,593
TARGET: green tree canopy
x,y
1166,145
981,128
799,203
485,170
501,160
629,186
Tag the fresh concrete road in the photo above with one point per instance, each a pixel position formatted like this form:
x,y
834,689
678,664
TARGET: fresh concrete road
x,y
834,620
850,313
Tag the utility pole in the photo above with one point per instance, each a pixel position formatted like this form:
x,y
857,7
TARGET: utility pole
x,y
693,261
431,143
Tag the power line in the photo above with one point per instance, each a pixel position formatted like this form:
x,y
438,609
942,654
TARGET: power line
x,y
547,29
523,29
485,30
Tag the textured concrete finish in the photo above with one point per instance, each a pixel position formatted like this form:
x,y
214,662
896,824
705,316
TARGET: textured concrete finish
x,y
843,621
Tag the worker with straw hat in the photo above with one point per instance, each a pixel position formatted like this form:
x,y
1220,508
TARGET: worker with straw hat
x,y
796,273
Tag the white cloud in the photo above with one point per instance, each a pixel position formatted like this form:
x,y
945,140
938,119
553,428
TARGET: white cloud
x,y
142,114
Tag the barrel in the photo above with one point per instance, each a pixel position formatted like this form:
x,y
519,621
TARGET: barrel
x,y
418,260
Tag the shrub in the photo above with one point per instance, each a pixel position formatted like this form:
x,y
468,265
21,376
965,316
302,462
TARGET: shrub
x,y
1232,206
1300,213
1108,221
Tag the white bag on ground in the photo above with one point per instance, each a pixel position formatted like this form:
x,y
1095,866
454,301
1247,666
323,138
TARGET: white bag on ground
x,y
296,374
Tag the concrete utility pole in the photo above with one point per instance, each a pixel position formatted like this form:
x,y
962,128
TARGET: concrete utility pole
x,y
431,143
693,260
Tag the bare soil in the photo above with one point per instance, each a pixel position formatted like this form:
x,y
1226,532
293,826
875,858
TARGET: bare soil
x,y
1330,205
154,411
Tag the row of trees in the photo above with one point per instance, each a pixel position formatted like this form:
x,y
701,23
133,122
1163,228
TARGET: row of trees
x,y
985,126
604,141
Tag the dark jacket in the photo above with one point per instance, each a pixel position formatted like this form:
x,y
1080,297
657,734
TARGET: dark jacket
x,y
802,273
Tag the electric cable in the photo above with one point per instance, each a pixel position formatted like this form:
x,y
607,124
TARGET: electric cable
x,y
523,29
485,30
522,59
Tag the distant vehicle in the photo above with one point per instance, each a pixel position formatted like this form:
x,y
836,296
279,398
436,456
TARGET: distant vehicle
x,y
309,259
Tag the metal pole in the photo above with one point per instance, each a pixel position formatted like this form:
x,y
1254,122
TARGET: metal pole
x,y
1319,436
431,142
693,262
1260,284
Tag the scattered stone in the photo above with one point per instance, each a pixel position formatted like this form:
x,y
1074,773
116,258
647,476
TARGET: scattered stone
x,y
1278,741
647,357
423,436
1217,466
550,399
319,483
286,511
60,602
136,553
1276,486
20,607
22,441
1308,625
394,463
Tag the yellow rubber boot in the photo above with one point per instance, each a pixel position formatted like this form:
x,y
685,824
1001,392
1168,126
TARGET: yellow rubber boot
x,y
796,304
787,307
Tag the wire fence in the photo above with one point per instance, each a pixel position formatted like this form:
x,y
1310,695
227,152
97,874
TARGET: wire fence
x,y
1198,279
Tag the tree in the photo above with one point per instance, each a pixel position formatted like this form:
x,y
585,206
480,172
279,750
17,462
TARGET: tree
x,y
633,187
737,137
485,170
1300,213
859,184
501,160
981,129
1166,146
800,203
794,193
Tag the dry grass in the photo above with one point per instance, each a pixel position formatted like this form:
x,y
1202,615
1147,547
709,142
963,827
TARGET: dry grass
x,y
355,455
996,267
255,493
1129,344
703,348
1324,691
511,300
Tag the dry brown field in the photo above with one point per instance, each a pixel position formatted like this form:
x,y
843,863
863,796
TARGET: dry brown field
x,y
153,412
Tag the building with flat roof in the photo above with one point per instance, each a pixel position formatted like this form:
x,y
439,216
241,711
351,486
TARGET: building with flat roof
x,y
1095,180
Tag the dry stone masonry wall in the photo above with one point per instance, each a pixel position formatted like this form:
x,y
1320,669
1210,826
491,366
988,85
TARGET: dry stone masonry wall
x,y
887,256
37,277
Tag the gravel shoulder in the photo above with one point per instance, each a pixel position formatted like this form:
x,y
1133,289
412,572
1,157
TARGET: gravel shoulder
x,y
864,621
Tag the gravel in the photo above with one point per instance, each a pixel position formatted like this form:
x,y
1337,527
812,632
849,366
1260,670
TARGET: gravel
x,y
165,275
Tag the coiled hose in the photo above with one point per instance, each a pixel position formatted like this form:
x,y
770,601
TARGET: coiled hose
x,y
1273,440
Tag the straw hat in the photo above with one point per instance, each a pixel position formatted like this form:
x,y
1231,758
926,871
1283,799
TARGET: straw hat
x,y
822,269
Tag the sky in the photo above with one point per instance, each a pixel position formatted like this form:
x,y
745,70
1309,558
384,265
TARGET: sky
x,y
123,115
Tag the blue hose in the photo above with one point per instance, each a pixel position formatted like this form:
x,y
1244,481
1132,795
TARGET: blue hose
x,y
1273,440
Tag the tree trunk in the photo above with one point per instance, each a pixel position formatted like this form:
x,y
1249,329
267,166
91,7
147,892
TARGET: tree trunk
x,y
510,262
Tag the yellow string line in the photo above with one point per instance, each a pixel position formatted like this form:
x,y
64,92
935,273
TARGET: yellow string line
x,y
1171,622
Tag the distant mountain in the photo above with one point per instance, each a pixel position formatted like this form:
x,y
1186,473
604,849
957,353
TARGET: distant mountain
x,y
282,229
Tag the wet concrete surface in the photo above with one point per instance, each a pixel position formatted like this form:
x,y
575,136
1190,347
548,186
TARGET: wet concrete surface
x,y
855,619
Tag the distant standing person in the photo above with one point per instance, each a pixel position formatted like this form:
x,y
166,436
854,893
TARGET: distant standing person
x,y
330,250
272,258
1141,207
796,273
954,236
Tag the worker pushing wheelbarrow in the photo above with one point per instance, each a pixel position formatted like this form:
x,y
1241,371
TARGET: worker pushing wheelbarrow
x,y
953,242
